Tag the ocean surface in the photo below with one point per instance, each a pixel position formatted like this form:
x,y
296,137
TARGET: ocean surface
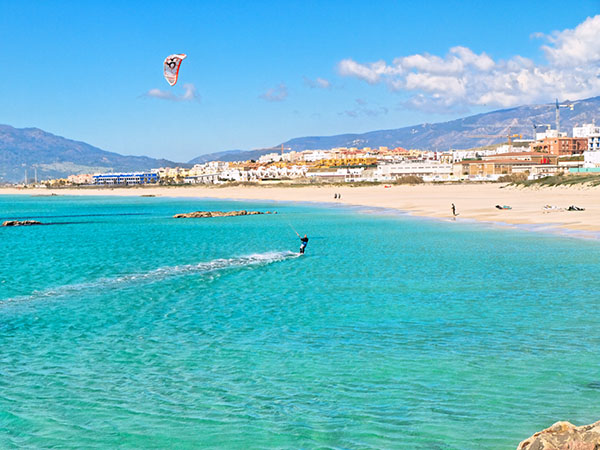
x,y
121,327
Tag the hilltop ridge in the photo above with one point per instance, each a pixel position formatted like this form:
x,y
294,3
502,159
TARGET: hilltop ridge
x,y
454,134
55,156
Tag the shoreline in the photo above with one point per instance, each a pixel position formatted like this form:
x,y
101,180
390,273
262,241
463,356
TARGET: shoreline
x,y
473,202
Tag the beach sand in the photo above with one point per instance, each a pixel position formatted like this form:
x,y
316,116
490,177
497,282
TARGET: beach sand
x,y
473,201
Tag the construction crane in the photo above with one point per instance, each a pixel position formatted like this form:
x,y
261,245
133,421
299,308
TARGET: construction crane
x,y
536,125
564,105
509,136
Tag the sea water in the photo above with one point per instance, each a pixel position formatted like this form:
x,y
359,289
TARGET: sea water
x,y
123,327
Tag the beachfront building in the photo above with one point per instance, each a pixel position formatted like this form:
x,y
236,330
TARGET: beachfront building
x,y
561,146
428,170
534,165
492,167
479,170
204,178
125,179
339,175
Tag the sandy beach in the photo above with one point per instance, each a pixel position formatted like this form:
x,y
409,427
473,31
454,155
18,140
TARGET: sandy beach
x,y
473,201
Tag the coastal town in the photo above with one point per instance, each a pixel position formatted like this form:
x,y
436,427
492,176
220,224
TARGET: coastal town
x,y
304,225
550,153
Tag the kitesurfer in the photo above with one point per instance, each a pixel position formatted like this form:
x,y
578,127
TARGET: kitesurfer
x,y
303,242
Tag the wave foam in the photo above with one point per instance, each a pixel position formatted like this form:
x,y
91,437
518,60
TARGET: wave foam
x,y
220,264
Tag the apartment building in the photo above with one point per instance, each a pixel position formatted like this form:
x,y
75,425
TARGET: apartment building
x,y
561,146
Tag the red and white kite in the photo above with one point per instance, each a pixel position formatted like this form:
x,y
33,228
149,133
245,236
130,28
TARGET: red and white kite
x,y
171,67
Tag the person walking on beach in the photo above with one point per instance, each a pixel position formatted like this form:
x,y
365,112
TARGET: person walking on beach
x,y
454,211
303,242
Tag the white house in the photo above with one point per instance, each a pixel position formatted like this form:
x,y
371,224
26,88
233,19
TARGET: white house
x,y
586,130
431,169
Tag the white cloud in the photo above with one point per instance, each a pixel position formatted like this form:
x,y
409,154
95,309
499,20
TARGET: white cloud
x,y
277,94
464,78
371,72
189,94
320,83
578,46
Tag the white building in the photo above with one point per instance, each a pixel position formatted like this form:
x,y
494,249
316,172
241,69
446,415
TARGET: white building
x,y
316,155
205,178
461,155
263,173
431,170
234,175
594,142
591,158
586,130
340,174
549,134
270,157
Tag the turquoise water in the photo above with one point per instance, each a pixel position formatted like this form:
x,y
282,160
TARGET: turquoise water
x,y
121,327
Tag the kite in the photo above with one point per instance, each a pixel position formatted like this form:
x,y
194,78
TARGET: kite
x,y
171,67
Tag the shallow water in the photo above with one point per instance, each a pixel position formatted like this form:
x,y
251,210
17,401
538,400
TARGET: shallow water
x,y
120,326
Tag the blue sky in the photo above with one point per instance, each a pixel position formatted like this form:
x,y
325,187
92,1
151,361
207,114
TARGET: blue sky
x,y
263,72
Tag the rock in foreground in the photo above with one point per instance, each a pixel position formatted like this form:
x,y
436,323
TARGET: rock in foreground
x,y
20,223
564,436
201,214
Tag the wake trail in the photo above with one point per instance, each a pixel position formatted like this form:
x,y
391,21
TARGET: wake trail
x,y
161,273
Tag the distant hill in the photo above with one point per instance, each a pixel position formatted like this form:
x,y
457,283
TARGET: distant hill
x,y
455,134
458,134
230,155
55,156
24,149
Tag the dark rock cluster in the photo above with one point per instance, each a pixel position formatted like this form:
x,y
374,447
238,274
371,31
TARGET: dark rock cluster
x,y
20,223
202,214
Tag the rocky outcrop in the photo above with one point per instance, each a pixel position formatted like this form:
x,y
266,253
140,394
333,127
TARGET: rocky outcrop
x,y
564,436
202,214
20,223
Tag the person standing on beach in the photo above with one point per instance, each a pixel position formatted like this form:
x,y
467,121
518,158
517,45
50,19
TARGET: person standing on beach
x,y
454,210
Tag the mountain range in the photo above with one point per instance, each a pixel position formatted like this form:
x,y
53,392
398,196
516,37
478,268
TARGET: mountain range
x,y
33,150
54,156
469,132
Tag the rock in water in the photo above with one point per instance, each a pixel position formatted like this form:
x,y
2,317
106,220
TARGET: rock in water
x,y
20,223
202,214
564,436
